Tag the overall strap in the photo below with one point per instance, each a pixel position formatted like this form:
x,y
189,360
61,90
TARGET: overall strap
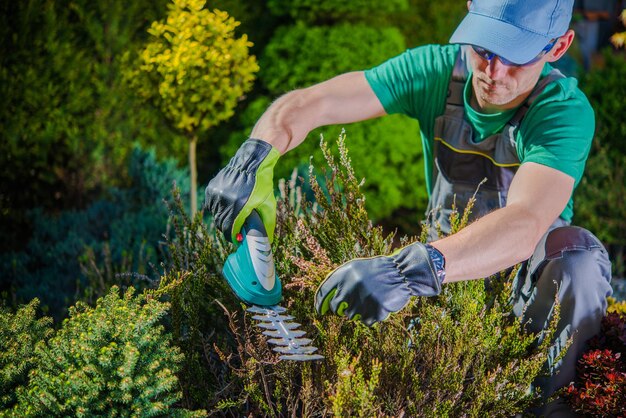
x,y
458,78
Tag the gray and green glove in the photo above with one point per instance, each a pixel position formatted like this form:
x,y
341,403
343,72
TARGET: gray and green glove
x,y
369,289
246,183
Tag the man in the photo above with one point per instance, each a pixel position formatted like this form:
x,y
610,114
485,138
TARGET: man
x,y
489,106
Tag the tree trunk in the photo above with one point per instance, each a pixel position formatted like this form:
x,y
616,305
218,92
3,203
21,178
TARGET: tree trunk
x,y
194,175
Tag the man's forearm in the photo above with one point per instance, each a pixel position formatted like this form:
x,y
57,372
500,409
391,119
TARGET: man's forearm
x,y
509,235
493,243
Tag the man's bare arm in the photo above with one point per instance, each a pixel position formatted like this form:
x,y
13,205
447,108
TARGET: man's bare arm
x,y
346,98
507,236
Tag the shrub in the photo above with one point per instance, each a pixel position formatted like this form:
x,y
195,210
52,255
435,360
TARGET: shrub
x,y
301,55
334,10
113,359
115,235
192,282
599,208
19,334
459,353
600,386
430,22
194,70
386,150
68,122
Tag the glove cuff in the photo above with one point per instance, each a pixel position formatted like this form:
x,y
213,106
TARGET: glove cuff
x,y
251,154
415,264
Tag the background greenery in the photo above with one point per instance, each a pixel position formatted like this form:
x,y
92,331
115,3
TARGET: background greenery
x,y
86,165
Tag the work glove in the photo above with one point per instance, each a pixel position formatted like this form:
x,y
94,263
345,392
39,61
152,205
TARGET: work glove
x,y
369,289
245,184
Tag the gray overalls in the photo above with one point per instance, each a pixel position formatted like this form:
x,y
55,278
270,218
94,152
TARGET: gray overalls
x,y
568,258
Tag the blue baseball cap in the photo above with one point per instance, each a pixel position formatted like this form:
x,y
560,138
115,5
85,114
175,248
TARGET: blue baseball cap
x,y
517,30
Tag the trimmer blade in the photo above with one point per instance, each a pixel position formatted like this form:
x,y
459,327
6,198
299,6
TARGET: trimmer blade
x,y
284,333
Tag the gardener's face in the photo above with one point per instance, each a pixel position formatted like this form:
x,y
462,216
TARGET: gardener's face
x,y
499,87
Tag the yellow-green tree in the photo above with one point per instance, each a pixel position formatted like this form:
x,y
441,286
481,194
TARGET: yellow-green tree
x,y
194,70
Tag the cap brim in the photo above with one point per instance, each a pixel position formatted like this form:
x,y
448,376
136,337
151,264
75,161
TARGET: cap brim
x,y
501,38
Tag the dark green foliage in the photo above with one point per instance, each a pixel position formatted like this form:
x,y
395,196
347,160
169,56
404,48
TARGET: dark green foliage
x,y
599,201
334,10
193,282
301,55
118,234
387,150
68,123
19,333
112,360
430,22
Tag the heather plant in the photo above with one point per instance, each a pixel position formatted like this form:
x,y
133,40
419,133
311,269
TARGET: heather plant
x,y
460,354
19,334
192,282
113,359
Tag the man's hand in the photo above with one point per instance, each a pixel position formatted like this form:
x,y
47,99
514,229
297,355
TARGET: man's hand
x,y
246,183
369,289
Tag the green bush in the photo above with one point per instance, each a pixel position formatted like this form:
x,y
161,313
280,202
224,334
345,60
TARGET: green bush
x,y
68,122
112,360
459,353
301,55
325,10
386,151
192,282
599,199
430,22
19,334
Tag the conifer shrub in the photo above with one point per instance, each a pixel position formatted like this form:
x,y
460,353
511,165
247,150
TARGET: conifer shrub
x,y
79,254
459,354
110,360
19,334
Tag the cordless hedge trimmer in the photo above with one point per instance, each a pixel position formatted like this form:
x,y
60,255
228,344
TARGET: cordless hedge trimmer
x,y
251,274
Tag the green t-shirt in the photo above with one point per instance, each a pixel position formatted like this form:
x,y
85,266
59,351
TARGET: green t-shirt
x,y
557,130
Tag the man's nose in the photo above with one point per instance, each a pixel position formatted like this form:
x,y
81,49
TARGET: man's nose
x,y
495,69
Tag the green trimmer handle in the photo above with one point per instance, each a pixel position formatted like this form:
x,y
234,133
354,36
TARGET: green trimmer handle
x,y
250,270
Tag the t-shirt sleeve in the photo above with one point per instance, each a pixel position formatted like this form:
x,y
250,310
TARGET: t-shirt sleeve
x,y
559,133
415,82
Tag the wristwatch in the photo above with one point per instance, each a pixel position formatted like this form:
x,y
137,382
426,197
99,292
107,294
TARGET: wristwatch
x,y
438,260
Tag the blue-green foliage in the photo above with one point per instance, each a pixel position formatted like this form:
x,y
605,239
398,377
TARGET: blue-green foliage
x,y
117,234
386,151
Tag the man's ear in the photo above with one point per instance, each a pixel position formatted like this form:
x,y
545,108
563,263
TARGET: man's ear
x,y
561,46
469,3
